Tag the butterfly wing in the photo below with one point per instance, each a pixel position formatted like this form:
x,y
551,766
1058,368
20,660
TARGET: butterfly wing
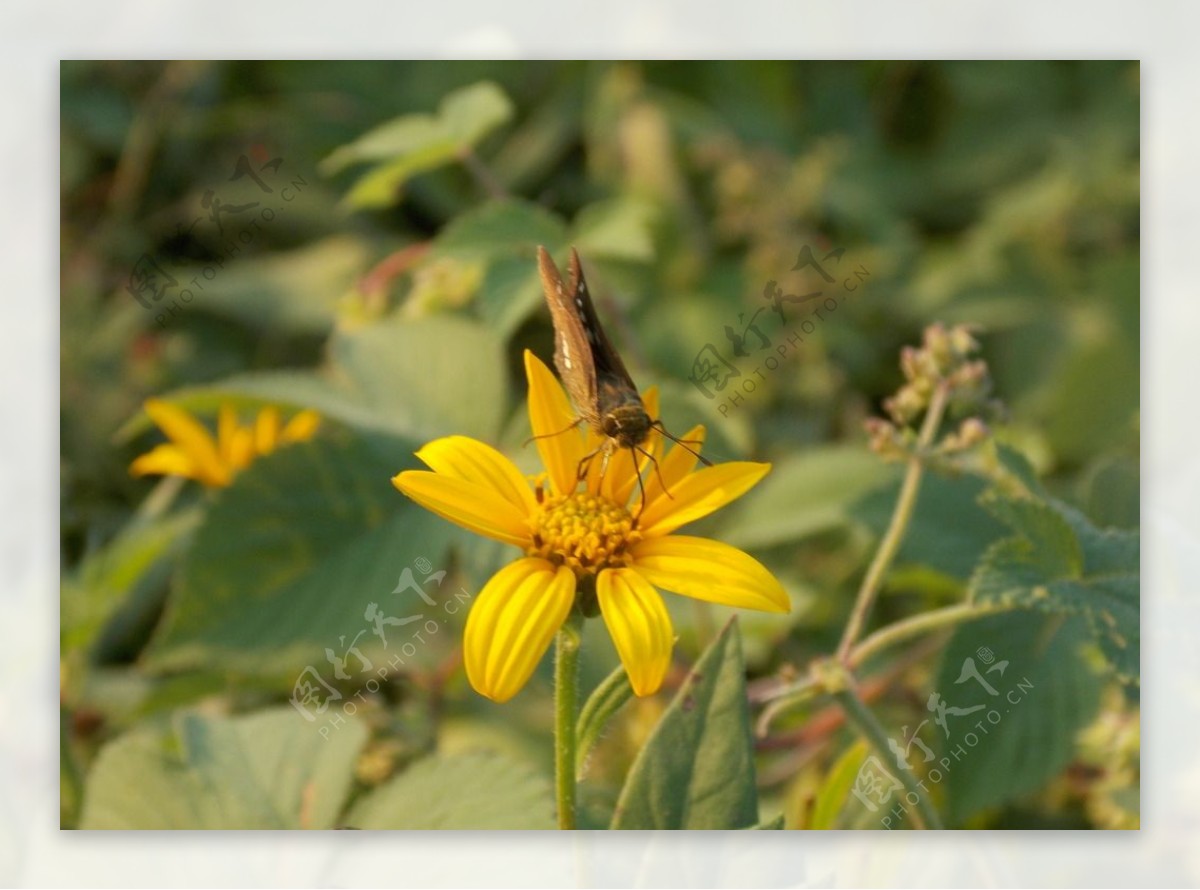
x,y
609,370
572,341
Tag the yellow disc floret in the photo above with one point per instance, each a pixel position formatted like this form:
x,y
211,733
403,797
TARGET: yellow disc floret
x,y
584,532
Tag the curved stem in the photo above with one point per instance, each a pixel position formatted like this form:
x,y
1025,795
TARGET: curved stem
x,y
901,516
919,624
604,702
870,729
796,694
566,693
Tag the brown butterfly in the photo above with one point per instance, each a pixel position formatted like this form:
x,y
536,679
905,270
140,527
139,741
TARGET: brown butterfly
x,y
595,377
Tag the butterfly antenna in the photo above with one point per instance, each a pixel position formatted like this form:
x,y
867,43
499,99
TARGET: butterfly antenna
x,y
685,444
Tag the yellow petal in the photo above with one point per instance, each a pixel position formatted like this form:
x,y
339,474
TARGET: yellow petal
x,y
302,427
640,627
711,571
679,461
699,494
551,416
164,460
650,400
192,438
475,507
241,448
511,624
266,430
480,464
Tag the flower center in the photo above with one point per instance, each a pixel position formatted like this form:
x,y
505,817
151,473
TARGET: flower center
x,y
584,532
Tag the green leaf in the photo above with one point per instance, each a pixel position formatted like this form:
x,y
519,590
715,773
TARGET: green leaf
x,y
1024,735
835,790
125,571
1018,466
416,379
510,293
478,790
697,768
289,557
267,770
616,229
504,235
399,137
295,290
1113,492
1059,562
472,112
464,117
415,143
803,495
502,228
431,377
949,532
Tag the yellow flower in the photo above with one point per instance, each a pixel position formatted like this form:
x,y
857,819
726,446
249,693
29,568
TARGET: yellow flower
x,y
597,539
195,454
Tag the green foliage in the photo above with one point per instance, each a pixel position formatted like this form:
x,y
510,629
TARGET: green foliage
x,y
464,791
1059,562
804,495
124,573
835,791
1025,734
416,143
267,770
289,557
394,292
295,290
394,378
697,769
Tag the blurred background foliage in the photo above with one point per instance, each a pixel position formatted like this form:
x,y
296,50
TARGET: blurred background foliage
x,y
392,287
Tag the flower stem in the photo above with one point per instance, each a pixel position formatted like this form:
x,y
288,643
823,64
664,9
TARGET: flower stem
x,y
901,516
869,728
566,693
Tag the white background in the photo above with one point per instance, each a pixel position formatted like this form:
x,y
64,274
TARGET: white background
x,y
32,40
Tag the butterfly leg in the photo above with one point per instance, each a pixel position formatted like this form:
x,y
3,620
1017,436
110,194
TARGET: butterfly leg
x,y
585,462
578,420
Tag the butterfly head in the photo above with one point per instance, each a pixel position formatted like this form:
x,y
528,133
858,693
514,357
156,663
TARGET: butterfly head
x,y
625,421
628,426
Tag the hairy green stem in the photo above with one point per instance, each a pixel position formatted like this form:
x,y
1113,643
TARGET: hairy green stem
x,y
566,694
869,728
901,516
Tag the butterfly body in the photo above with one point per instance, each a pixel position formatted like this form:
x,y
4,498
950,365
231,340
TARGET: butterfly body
x,y
604,394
